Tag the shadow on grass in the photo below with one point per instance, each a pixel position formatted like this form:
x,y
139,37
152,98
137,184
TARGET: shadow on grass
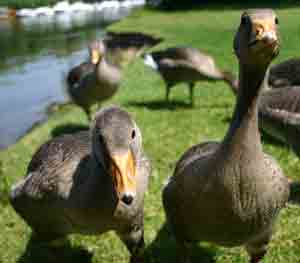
x,y
68,129
161,104
35,252
270,140
174,105
163,249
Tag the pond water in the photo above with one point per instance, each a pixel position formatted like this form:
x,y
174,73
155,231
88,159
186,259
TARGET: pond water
x,y
35,56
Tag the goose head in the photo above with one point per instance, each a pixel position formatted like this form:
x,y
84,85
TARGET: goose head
x,y
257,39
116,145
96,51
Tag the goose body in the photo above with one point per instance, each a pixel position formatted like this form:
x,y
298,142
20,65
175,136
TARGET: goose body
x,y
72,186
279,114
230,193
185,65
284,74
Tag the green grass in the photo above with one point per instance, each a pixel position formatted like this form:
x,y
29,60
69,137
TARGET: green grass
x,y
167,133
26,3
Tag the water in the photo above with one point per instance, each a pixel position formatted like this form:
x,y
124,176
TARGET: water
x,y
35,56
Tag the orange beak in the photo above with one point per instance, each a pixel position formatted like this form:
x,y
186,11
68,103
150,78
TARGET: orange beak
x,y
95,56
264,30
123,172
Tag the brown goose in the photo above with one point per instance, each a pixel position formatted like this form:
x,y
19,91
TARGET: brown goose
x,y
286,73
123,47
94,81
230,193
88,183
97,80
188,65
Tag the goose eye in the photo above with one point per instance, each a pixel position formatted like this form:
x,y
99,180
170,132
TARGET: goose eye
x,y
276,21
244,20
133,134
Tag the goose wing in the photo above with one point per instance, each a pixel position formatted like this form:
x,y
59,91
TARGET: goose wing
x,y
285,74
187,57
51,172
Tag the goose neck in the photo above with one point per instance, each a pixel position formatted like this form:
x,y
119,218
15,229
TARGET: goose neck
x,y
243,131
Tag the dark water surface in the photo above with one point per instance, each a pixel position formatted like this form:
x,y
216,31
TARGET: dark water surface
x,y
35,56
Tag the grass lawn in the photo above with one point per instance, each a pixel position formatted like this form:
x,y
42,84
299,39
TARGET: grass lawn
x,y
167,133
26,3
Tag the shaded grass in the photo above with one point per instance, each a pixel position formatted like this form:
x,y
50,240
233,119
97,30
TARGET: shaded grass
x,y
167,133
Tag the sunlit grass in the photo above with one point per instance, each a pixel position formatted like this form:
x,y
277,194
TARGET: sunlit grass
x,y
167,133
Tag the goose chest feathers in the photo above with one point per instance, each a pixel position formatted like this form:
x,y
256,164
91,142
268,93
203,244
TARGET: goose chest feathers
x,y
89,182
230,193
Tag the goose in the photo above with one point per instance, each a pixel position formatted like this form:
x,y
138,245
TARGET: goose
x,y
230,193
94,81
126,46
187,65
285,73
90,182
97,80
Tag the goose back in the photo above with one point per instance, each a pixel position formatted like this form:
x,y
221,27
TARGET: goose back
x,y
286,73
184,64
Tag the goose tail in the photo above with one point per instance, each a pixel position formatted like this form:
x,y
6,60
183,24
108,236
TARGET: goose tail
x,y
149,61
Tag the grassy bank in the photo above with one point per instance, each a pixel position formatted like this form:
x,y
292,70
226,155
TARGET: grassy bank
x,y
26,3
167,133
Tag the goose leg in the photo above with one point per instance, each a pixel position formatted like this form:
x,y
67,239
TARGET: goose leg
x,y
183,250
258,248
134,241
191,87
168,88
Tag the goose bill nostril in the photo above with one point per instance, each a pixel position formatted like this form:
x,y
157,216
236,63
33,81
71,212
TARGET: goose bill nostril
x,y
127,199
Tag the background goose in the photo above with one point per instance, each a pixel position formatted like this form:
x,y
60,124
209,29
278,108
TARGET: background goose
x,y
97,80
123,47
185,64
88,183
284,74
230,193
279,115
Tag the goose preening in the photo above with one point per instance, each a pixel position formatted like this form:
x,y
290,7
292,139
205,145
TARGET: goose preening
x,y
99,79
88,183
187,65
230,193
286,73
